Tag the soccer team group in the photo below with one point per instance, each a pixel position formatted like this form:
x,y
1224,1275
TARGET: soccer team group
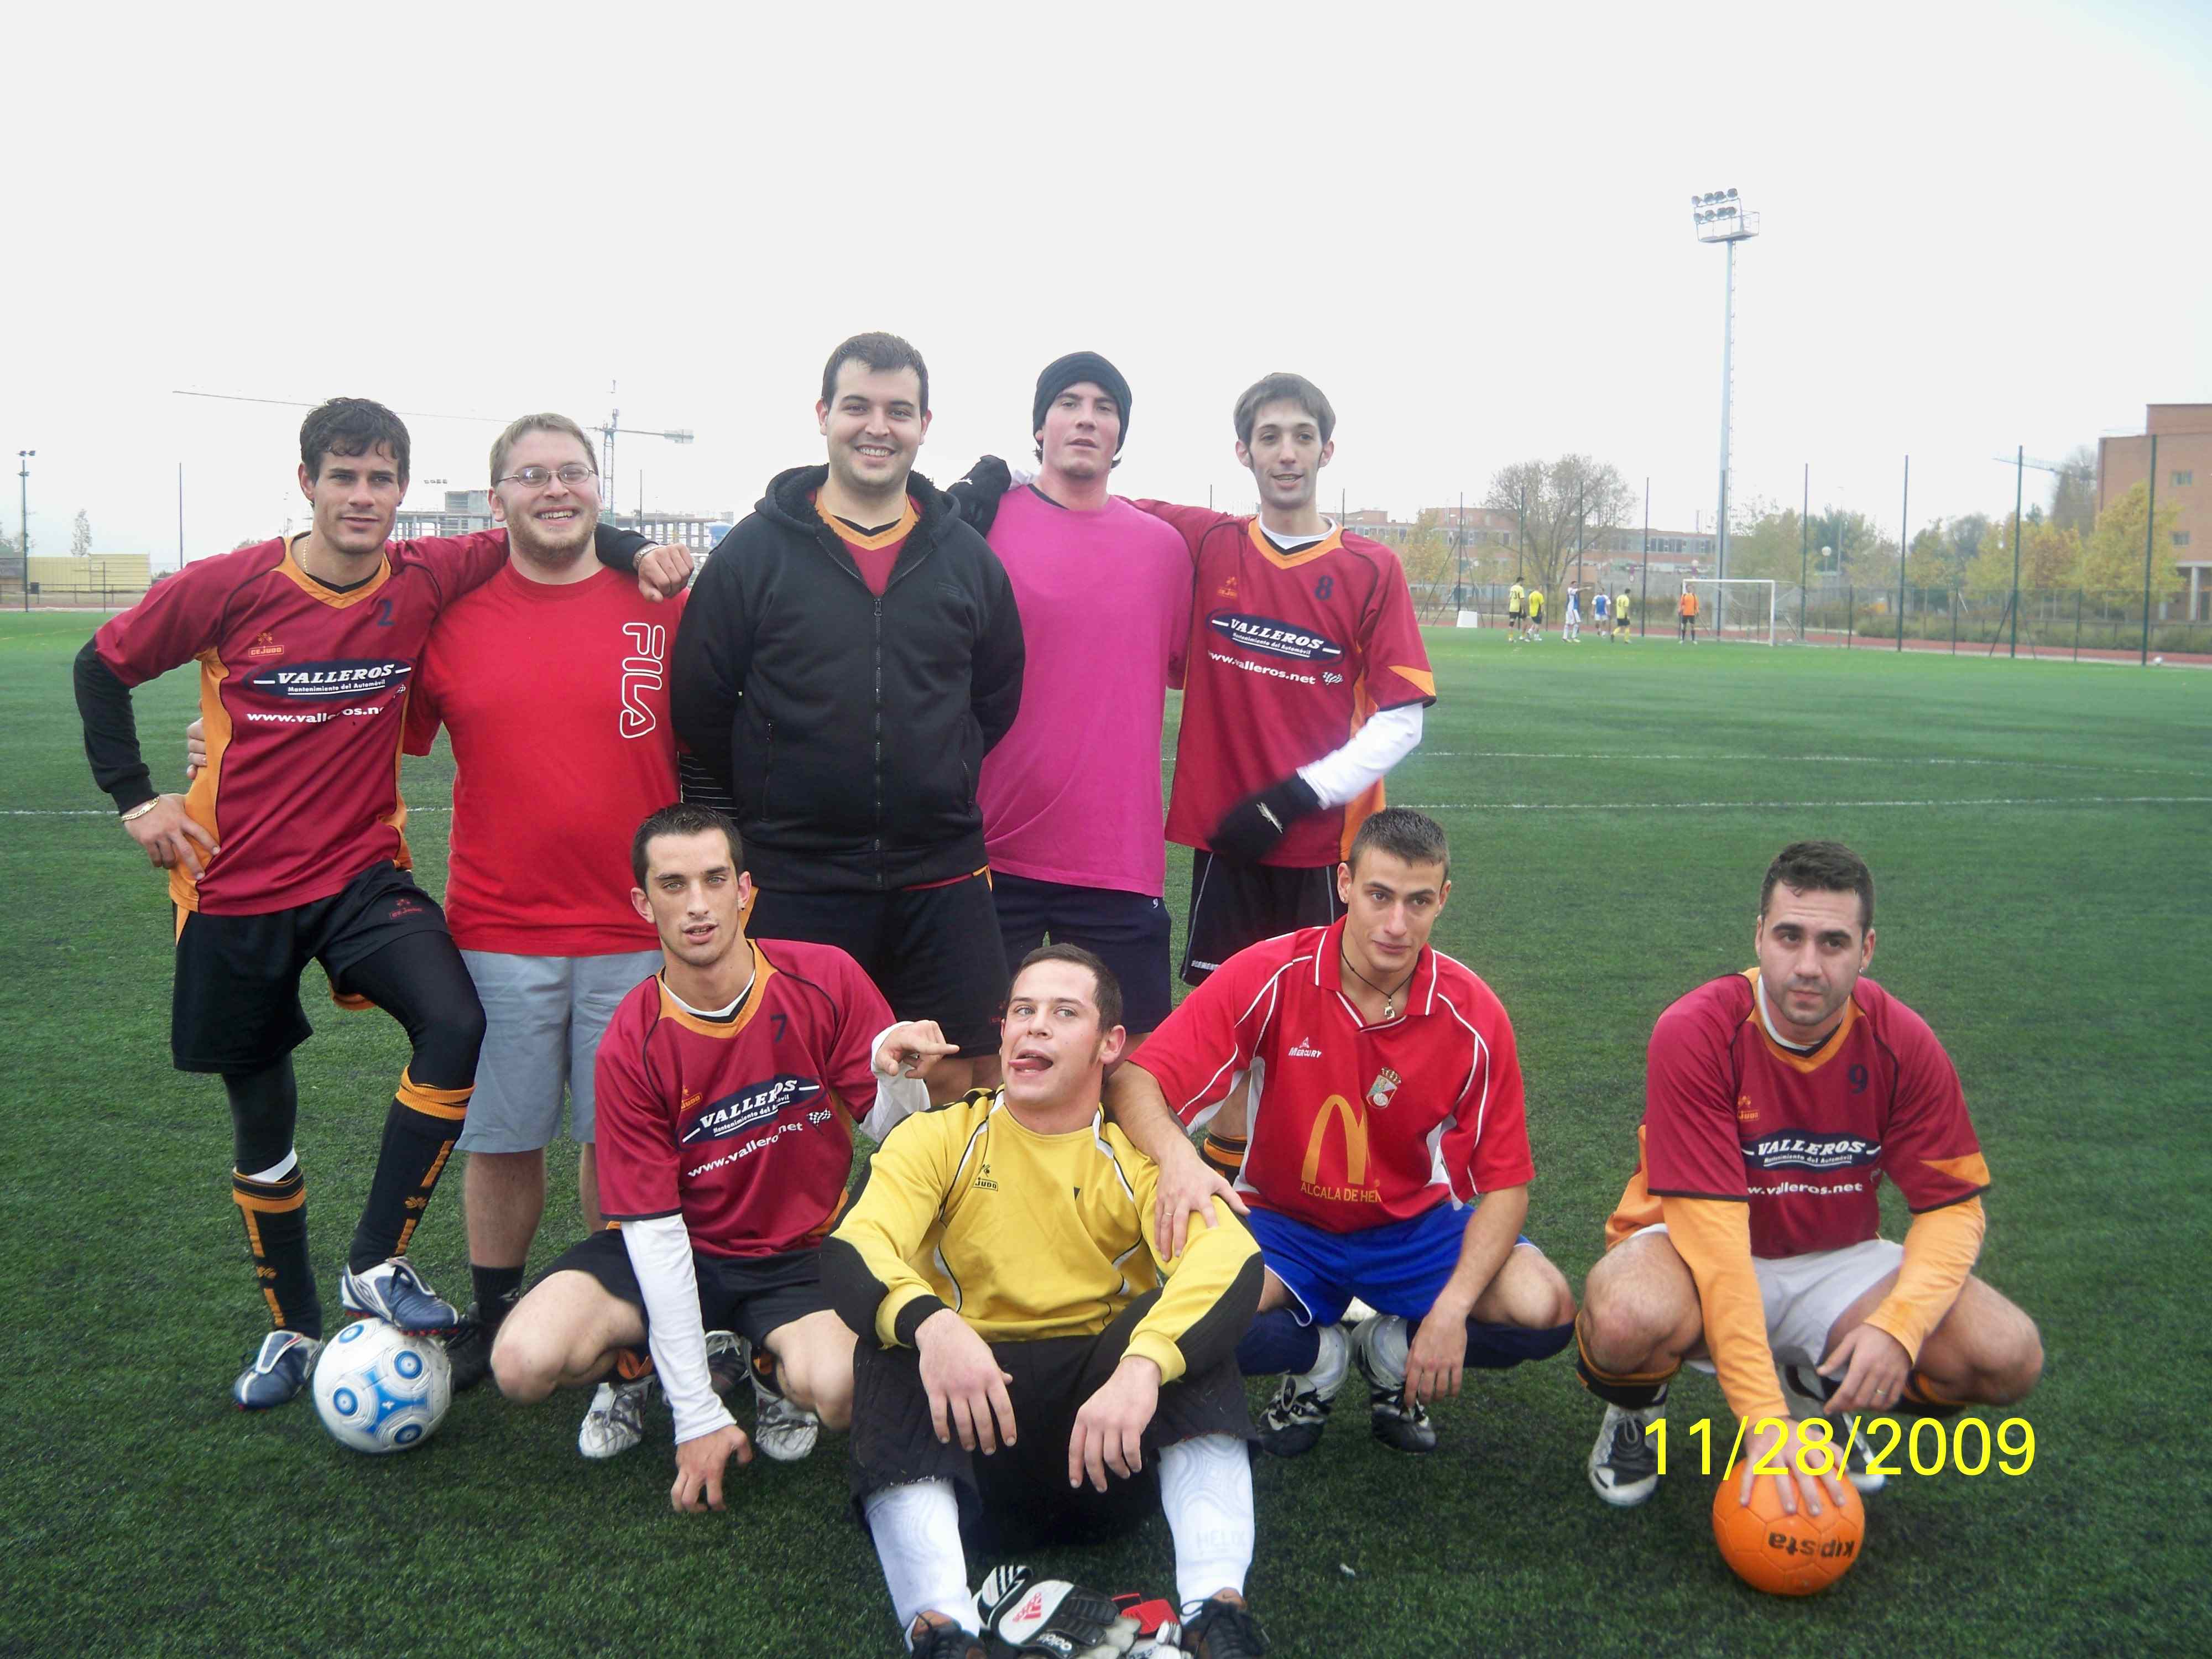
x,y
863,830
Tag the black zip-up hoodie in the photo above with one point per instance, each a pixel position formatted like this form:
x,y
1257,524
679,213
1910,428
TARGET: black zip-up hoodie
x,y
849,729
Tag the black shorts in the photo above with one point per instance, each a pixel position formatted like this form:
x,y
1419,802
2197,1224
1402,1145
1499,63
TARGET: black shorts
x,y
1128,932
751,1295
235,1004
1018,1496
933,951
1234,904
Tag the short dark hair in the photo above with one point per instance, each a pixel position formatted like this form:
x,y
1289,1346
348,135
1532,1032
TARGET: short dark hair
x,y
1279,388
683,818
1109,988
351,426
879,352
1820,866
1414,837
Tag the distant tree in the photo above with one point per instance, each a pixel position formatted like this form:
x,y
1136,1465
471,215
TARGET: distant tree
x,y
80,535
1861,554
1766,542
2112,557
2074,492
2050,557
1572,495
1427,556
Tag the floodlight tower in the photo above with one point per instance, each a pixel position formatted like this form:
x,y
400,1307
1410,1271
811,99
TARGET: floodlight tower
x,y
1718,217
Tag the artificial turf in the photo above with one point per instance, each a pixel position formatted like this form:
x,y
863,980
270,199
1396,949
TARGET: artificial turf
x,y
2039,836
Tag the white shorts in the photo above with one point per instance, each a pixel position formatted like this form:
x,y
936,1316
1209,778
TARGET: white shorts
x,y
1805,1295
543,1019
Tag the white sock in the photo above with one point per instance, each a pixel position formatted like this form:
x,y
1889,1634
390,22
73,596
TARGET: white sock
x,y
916,1527
1206,1488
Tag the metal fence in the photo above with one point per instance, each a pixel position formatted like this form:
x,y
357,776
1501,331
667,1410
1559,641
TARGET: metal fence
x,y
53,596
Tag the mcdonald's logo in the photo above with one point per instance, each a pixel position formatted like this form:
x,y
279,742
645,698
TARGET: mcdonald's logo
x,y
1355,1189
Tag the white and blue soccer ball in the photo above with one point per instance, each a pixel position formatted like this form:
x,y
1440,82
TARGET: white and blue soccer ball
x,y
380,1389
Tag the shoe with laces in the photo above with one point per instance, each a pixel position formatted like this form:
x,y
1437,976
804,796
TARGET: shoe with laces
x,y
468,1350
1378,1348
615,1421
395,1293
1624,1465
1292,1424
275,1371
1223,1629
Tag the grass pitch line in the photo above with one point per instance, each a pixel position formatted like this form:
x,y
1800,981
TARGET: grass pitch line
x,y
1793,805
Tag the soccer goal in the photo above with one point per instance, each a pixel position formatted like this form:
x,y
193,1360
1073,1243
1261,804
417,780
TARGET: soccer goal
x,y
1739,608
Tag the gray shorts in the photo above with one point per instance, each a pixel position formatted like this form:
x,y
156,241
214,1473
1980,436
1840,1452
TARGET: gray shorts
x,y
543,1017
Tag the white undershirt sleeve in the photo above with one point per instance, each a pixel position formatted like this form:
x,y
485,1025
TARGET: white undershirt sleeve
x,y
1387,738
896,1097
660,1253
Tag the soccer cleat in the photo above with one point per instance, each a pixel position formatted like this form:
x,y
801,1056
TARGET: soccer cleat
x,y
1051,1617
1291,1425
784,1431
468,1350
615,1421
395,1293
1378,1348
1624,1466
1809,1398
930,1641
1223,1630
275,1371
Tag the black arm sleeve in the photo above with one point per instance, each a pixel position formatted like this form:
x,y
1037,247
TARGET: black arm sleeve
x,y
995,675
975,498
707,669
1222,1327
618,549
110,733
856,1293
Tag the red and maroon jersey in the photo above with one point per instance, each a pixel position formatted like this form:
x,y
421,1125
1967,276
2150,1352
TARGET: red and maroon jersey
x,y
1805,1138
742,1126
302,693
1353,1125
1289,653
556,699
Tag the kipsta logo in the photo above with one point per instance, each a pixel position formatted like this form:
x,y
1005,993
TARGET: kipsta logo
x,y
345,676
1273,639
748,1107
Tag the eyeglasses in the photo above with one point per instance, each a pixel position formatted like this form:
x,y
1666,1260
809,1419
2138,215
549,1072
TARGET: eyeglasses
x,y
537,478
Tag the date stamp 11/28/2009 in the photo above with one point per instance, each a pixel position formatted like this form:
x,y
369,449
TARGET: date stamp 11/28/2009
x,y
1927,1446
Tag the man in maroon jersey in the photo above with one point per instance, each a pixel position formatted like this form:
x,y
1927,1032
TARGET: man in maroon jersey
x,y
1389,1100
1305,684
290,846
728,1086
1776,1100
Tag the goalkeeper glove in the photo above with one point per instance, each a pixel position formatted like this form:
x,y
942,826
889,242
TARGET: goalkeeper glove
x,y
1051,1617
1250,830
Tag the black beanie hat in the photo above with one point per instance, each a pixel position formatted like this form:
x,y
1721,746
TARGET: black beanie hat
x,y
1072,370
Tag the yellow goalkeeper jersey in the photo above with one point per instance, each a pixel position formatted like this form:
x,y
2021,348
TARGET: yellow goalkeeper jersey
x,y
1027,1236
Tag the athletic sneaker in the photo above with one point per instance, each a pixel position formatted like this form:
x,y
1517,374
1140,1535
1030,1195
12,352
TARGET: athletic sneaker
x,y
615,1421
468,1350
275,1371
1624,1465
1223,1629
928,1641
1378,1348
1809,1398
395,1293
1291,1426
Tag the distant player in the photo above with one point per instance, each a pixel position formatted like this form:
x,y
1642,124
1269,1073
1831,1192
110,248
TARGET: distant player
x,y
1516,604
1306,683
1535,614
1685,626
1776,1100
1571,625
1035,1361
290,848
728,1086
1599,603
1620,614
1389,1102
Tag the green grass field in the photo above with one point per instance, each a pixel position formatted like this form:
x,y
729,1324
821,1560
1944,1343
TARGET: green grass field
x,y
2039,834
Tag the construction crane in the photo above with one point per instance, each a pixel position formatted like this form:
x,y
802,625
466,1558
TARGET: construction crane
x,y
2020,464
607,432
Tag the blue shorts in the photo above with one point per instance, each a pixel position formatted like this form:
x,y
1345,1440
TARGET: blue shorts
x,y
1399,1269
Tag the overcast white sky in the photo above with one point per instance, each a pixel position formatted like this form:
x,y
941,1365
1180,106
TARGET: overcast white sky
x,y
1984,225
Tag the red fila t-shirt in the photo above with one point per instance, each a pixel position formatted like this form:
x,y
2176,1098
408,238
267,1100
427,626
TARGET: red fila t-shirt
x,y
1290,655
1804,1139
1353,1125
302,693
737,1125
873,551
556,700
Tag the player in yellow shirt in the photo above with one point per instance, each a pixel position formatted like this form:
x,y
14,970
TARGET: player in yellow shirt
x,y
1620,610
1516,601
1031,1360
1535,613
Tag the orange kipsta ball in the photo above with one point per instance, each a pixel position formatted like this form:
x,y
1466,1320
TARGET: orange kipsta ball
x,y
1787,1554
